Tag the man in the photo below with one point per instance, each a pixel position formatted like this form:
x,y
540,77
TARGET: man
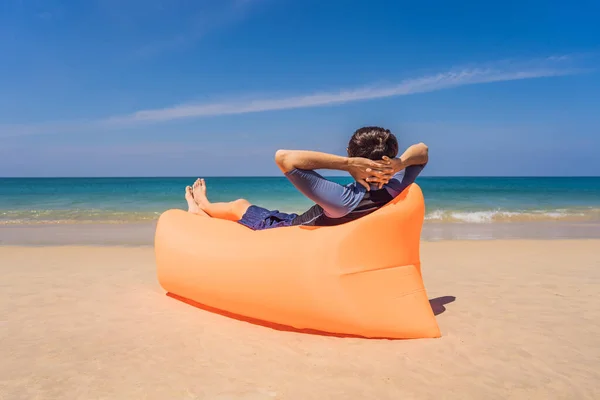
x,y
379,178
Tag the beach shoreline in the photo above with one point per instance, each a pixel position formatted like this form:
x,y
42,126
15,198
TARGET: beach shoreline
x,y
142,233
461,200
519,319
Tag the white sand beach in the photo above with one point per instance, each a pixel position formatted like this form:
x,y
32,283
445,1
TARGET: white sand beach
x,y
520,320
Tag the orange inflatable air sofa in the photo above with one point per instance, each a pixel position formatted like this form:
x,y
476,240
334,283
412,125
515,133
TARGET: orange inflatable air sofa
x,y
362,278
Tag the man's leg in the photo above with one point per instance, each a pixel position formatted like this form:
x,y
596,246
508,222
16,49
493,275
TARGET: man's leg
x,y
232,211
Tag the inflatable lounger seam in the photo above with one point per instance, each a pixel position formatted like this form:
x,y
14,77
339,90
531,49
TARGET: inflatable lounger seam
x,y
356,271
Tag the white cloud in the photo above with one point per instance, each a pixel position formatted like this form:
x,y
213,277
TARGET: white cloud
x,y
499,72
548,67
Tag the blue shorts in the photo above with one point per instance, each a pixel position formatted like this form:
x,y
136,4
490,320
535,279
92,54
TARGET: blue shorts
x,y
259,218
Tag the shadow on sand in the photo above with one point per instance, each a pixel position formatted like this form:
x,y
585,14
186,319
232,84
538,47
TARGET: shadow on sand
x,y
437,304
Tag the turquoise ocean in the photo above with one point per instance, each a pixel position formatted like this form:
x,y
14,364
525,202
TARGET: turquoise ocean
x,y
477,200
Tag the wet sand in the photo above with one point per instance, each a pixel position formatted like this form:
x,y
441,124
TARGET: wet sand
x,y
520,320
138,234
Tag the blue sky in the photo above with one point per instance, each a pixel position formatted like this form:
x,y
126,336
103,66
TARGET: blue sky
x,y
205,88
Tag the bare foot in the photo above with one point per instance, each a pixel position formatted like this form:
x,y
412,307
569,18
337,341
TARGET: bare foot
x,y
189,197
200,193
192,205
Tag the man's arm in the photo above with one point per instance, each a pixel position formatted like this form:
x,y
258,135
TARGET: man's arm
x,y
288,160
335,199
360,168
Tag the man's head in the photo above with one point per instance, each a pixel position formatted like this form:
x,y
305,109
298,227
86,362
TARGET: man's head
x,y
373,142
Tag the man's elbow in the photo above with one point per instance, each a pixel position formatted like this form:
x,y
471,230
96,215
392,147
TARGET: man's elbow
x,y
283,160
424,152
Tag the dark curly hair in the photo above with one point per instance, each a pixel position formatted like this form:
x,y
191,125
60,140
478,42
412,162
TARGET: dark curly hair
x,y
373,142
